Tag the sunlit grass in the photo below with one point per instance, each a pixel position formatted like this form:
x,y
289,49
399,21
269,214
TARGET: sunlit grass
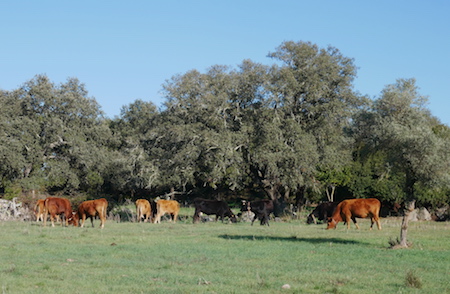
x,y
222,258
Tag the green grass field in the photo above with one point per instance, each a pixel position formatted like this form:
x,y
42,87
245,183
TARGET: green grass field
x,y
223,258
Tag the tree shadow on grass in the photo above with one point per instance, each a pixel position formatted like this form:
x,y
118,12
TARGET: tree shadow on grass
x,y
291,239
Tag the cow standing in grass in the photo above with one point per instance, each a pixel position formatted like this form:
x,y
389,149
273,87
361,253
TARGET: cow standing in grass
x,y
350,209
39,210
217,207
143,210
261,208
322,212
171,207
91,208
57,206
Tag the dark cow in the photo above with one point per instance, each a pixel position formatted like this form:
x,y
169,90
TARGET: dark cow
x,y
261,208
322,212
219,208
350,209
57,206
91,208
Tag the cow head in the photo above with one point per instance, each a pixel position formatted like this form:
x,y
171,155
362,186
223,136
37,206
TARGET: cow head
x,y
246,206
331,223
311,219
73,219
233,218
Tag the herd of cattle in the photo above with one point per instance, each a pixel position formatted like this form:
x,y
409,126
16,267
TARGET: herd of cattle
x,y
332,212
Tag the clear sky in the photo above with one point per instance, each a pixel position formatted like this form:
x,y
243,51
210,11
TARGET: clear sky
x,y
126,50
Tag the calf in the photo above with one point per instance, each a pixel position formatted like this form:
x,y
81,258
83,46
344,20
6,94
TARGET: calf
x,y
57,206
219,208
91,208
143,210
350,209
39,210
261,208
171,207
322,212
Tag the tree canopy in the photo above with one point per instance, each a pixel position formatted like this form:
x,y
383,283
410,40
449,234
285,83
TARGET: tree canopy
x,y
287,131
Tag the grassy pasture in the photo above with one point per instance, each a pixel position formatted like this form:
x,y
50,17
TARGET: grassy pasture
x,y
222,258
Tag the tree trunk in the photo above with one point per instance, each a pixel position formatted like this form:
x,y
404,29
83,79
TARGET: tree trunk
x,y
409,207
300,197
330,196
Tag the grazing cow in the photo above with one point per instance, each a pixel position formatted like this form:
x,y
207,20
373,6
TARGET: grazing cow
x,y
217,207
261,208
171,207
57,206
143,210
39,210
322,212
91,208
350,209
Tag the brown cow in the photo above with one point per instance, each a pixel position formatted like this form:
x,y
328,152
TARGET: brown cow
x,y
167,206
91,208
39,209
57,206
143,210
353,208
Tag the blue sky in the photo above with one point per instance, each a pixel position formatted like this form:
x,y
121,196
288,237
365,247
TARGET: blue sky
x,y
126,50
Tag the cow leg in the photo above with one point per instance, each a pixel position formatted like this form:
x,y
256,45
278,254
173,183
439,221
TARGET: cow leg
x,y
45,218
371,223
175,217
102,216
354,221
254,218
52,217
377,220
158,218
67,216
347,222
83,219
196,216
92,220
102,220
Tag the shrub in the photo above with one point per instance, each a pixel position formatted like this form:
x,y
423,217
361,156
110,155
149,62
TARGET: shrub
x,y
412,280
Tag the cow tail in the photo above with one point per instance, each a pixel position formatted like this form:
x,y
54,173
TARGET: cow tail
x,y
139,213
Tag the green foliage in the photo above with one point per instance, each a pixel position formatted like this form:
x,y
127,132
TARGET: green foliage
x,y
400,132
12,191
56,134
290,131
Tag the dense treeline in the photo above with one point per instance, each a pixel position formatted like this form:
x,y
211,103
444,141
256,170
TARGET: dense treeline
x,y
293,131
